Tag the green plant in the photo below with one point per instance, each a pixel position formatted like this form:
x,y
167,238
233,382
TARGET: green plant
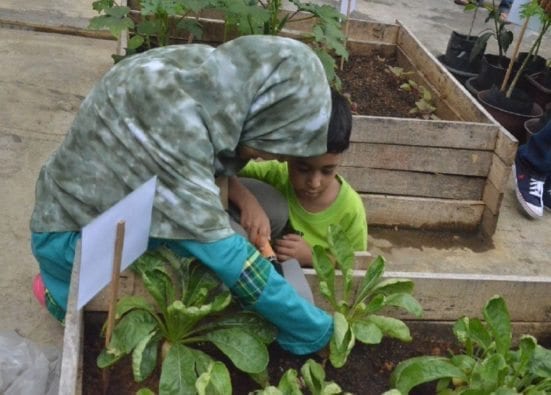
x,y
267,17
489,364
424,105
528,10
356,305
503,36
154,26
192,308
312,377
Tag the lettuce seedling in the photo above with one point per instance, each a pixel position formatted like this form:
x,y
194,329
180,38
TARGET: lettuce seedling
x,y
488,366
355,305
192,308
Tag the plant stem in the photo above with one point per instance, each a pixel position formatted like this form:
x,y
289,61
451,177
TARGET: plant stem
x,y
472,22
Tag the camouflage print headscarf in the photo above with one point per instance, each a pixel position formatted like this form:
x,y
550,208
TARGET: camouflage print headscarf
x,y
179,112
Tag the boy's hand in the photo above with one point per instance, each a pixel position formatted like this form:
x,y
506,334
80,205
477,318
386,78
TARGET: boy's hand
x,y
293,246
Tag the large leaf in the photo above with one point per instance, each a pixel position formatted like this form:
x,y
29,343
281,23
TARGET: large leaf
x,y
371,278
128,303
470,332
412,372
405,301
128,332
144,357
289,384
367,332
391,327
246,321
393,285
178,374
247,352
527,349
215,381
498,319
341,342
489,372
541,365
326,274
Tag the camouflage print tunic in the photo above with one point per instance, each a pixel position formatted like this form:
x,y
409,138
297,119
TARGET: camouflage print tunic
x,y
179,112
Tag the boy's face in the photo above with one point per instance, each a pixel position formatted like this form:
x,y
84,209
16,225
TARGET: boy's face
x,y
312,177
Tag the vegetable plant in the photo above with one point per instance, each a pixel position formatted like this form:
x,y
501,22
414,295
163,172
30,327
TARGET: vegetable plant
x,y
503,36
356,306
489,364
154,26
191,308
529,10
312,377
424,105
266,17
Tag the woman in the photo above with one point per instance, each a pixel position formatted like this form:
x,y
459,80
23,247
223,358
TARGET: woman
x,y
188,113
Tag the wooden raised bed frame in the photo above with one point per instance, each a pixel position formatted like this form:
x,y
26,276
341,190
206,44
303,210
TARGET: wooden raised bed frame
x,y
413,173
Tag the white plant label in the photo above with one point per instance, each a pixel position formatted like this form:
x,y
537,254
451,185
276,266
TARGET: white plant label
x,y
98,240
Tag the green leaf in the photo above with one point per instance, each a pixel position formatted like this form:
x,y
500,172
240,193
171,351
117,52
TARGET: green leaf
x,y
249,322
191,26
102,5
178,372
341,342
393,285
289,383
471,331
314,376
129,303
489,371
128,332
541,364
247,352
405,301
325,272
135,41
367,332
374,305
145,391
144,357
479,45
342,250
371,278
215,381
391,327
527,349
418,370
498,319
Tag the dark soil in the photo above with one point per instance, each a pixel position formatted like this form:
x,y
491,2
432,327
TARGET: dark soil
x,y
367,371
519,102
374,90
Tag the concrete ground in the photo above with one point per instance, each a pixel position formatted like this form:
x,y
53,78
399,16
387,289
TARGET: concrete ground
x,y
45,76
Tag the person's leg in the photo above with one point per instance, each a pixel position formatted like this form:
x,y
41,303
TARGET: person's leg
x,y
55,253
271,200
532,168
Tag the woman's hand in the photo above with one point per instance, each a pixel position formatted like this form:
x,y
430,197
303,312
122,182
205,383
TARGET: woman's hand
x,y
293,246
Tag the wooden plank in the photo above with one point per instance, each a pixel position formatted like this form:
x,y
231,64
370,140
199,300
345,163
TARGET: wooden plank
x,y
71,360
488,224
423,213
408,183
423,159
360,29
441,79
448,134
449,296
492,197
506,146
356,47
499,173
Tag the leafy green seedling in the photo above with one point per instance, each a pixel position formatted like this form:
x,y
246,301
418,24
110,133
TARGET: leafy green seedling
x,y
489,365
192,308
356,306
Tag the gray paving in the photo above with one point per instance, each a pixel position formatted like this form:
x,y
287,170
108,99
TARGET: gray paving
x,y
45,76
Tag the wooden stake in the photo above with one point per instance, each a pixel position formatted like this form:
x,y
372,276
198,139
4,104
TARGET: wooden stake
x,y
514,55
346,29
115,276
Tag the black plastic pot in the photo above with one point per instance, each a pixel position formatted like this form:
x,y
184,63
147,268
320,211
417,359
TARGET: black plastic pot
x,y
510,120
492,71
539,87
535,65
457,56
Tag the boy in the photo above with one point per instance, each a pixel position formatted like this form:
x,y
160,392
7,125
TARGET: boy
x,y
315,194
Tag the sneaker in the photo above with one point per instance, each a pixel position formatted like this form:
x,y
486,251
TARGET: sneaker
x,y
547,193
529,190
39,290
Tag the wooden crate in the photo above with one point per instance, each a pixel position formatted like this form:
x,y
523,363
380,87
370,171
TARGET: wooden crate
x,y
445,297
412,173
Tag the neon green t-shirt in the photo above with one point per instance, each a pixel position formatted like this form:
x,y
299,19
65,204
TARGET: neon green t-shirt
x,y
347,209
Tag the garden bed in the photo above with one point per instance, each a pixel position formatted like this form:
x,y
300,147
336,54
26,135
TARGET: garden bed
x,y
444,297
447,174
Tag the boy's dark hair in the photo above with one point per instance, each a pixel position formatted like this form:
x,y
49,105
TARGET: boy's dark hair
x,y
340,124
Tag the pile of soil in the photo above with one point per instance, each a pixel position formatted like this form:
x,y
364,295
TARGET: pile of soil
x,y
367,371
373,89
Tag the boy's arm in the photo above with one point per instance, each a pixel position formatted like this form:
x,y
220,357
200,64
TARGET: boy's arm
x,y
253,218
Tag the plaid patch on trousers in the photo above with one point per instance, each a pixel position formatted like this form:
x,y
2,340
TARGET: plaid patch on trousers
x,y
253,279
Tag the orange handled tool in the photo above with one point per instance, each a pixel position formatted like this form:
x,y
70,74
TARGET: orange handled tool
x,y
268,252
